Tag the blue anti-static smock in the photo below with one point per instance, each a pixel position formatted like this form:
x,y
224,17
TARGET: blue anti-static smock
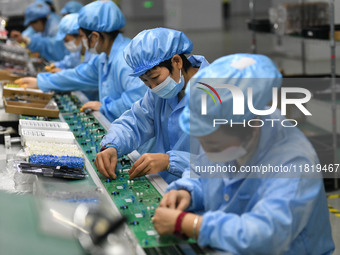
x,y
44,42
117,90
265,215
156,117
69,61
74,59
28,32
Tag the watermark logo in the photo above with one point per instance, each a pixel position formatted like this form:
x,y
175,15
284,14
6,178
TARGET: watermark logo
x,y
204,96
238,100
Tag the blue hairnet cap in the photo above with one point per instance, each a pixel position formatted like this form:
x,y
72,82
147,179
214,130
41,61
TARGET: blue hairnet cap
x,y
71,7
44,1
151,47
243,71
68,26
36,11
101,16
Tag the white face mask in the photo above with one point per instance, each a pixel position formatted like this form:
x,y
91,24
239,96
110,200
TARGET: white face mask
x,y
72,46
94,49
169,88
84,41
227,155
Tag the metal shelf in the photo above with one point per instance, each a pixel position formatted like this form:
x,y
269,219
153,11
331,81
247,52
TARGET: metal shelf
x,y
303,40
297,38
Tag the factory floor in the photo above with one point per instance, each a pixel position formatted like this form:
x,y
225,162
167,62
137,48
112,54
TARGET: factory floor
x,y
235,38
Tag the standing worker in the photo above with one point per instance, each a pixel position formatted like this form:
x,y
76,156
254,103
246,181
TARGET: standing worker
x,y
107,72
246,212
157,57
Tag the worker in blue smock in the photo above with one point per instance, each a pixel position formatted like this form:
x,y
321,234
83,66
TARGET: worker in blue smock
x,y
71,7
29,31
39,16
108,71
157,57
69,33
242,211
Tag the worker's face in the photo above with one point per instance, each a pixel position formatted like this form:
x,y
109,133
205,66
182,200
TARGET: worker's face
x,y
82,34
93,40
38,26
70,38
218,141
155,76
158,74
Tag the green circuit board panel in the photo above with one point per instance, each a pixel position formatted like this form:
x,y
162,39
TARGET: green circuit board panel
x,y
136,199
68,103
27,117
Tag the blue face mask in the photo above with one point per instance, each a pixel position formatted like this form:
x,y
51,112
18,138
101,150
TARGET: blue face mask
x,y
169,88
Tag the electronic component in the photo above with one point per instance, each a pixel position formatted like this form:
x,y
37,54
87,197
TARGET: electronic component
x,y
12,85
47,136
43,125
57,149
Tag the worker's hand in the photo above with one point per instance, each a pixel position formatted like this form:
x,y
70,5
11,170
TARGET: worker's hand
x,y
106,162
55,70
16,35
149,163
93,105
27,82
176,199
49,68
164,220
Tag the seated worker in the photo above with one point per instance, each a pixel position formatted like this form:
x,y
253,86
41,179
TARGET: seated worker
x,y
39,16
246,213
71,7
69,33
108,72
29,31
157,57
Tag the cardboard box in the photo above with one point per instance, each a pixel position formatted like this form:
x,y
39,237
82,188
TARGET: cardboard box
x,y
30,103
12,91
6,75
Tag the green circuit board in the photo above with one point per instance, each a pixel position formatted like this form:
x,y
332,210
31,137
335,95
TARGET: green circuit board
x,y
68,103
136,199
